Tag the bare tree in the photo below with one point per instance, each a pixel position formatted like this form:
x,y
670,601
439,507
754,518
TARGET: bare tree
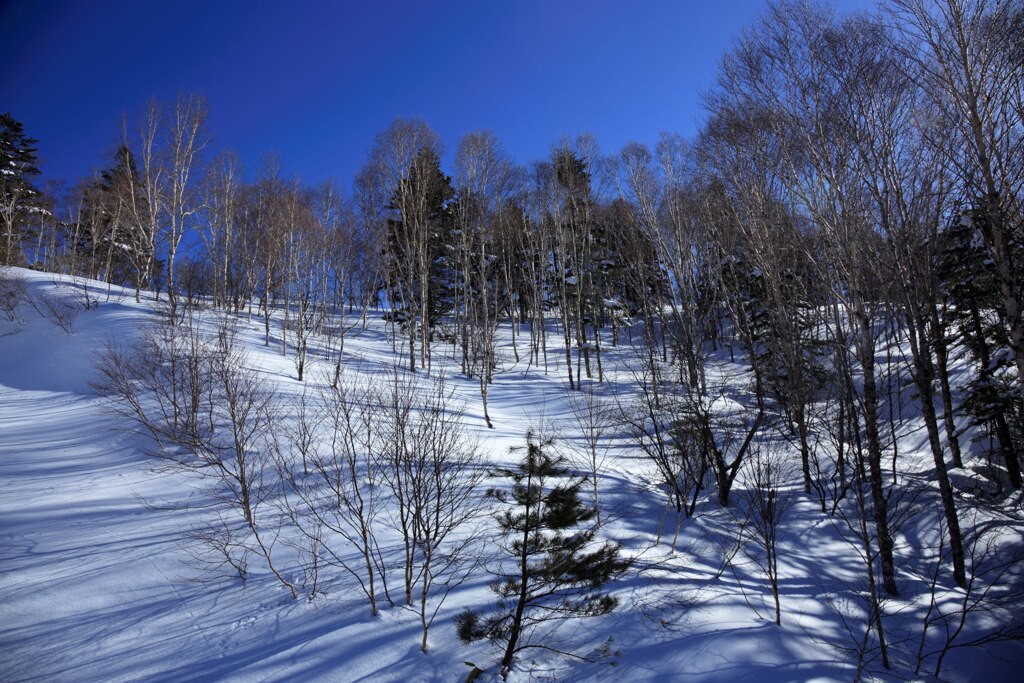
x,y
909,189
483,176
444,482
338,485
210,416
186,141
647,420
222,190
148,199
778,72
595,419
305,275
767,277
13,293
768,478
350,273
963,52
986,609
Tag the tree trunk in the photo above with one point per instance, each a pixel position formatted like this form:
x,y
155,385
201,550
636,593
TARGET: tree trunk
x,y
924,378
879,501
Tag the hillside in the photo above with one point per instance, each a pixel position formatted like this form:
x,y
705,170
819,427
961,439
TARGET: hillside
x,y
101,577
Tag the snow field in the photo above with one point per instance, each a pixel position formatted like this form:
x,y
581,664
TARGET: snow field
x,y
98,581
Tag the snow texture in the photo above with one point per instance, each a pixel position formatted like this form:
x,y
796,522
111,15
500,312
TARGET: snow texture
x,y
97,583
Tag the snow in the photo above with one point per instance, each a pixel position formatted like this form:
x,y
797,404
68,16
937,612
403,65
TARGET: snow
x,y
97,582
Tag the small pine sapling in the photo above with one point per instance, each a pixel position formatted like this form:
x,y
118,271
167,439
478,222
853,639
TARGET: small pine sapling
x,y
555,569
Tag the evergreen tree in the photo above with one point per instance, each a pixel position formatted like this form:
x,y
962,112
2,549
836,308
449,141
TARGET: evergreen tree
x,y
111,238
421,238
992,398
573,258
19,198
557,571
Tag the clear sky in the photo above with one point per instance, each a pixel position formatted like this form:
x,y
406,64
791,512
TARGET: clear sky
x,y
314,81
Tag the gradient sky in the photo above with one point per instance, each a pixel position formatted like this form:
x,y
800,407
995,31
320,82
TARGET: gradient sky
x,y
314,81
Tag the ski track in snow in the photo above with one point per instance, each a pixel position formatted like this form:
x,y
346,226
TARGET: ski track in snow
x,y
96,583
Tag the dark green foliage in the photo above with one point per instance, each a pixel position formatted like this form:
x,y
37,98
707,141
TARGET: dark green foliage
x,y
992,400
423,232
110,235
574,262
774,321
627,267
18,196
571,173
555,569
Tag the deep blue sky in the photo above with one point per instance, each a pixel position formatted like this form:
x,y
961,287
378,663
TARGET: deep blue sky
x,y
315,81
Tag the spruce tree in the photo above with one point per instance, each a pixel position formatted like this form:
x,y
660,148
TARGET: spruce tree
x,y
992,399
112,239
421,236
18,196
555,569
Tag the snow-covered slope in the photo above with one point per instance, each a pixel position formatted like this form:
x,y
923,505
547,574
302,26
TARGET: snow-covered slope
x,y
97,582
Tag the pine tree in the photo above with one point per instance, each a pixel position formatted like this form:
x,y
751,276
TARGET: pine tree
x,y
114,241
573,258
18,196
557,569
992,399
420,238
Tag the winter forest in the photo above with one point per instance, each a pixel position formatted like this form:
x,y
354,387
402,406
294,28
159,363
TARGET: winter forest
x,y
744,406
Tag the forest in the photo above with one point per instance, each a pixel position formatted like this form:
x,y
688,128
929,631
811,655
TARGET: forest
x,y
817,299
